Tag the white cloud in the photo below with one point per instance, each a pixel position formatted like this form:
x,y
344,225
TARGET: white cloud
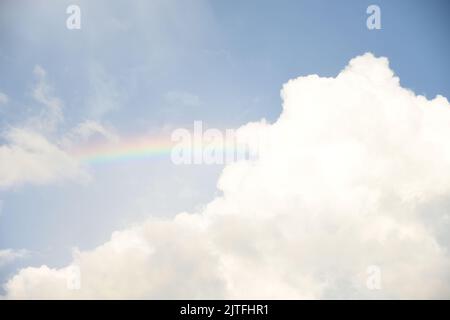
x,y
89,130
3,98
341,184
31,152
28,157
51,116
10,255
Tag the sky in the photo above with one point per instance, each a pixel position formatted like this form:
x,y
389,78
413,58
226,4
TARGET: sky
x,y
139,70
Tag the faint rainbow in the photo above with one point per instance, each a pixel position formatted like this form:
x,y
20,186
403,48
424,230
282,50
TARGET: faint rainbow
x,y
123,150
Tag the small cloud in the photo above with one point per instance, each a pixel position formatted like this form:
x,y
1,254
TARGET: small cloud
x,y
29,157
3,98
51,116
89,130
39,72
10,255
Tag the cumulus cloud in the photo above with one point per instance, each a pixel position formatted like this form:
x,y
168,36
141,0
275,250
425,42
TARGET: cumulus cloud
x,y
343,181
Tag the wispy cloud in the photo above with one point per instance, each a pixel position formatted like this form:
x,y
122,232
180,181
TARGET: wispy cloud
x,y
31,152
52,115
10,255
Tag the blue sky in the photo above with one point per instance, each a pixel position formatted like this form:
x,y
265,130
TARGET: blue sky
x,y
149,66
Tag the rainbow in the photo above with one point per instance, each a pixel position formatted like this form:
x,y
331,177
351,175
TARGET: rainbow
x,y
123,150
96,153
